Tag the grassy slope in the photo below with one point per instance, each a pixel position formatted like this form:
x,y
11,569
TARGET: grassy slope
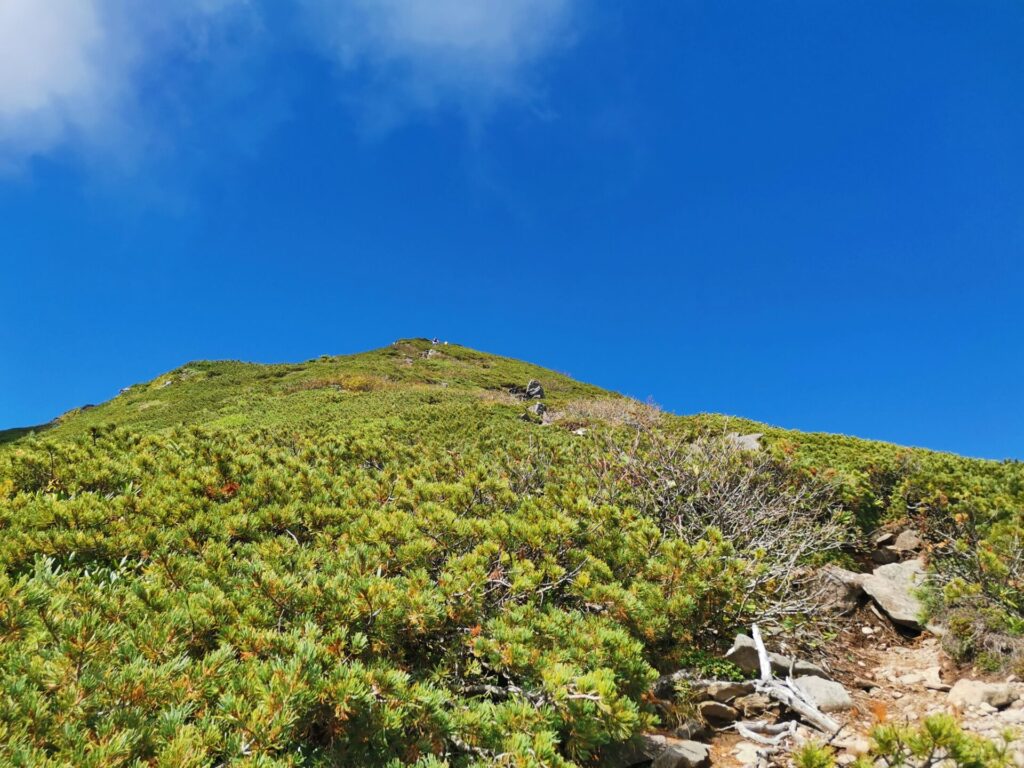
x,y
327,391
410,377
387,523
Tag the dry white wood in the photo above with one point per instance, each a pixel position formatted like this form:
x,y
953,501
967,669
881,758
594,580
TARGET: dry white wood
x,y
788,693
753,731
762,654
789,696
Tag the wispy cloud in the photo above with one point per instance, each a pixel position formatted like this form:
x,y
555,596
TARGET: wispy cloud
x,y
425,54
71,70
86,73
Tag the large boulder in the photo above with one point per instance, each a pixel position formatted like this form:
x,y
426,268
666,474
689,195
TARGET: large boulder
x,y
827,695
894,588
534,391
744,655
967,693
683,754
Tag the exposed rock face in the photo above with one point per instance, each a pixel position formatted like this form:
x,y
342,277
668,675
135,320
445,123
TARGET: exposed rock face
x,y
744,655
893,586
973,692
828,695
683,754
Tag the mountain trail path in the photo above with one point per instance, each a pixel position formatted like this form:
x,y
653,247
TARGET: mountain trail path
x,y
892,678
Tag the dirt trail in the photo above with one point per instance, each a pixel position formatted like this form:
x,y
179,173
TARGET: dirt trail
x,y
892,678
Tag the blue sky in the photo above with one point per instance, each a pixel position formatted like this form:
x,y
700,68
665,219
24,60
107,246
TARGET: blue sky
x,y
808,212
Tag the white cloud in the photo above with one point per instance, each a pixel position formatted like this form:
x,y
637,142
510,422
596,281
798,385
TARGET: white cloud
x,y
70,69
83,73
423,54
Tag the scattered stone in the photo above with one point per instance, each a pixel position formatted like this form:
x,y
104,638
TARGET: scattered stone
x,y
745,753
884,556
976,693
726,690
856,745
753,704
908,541
933,680
841,589
885,539
845,758
828,695
744,655
751,442
532,391
637,751
717,713
893,586
683,754
692,730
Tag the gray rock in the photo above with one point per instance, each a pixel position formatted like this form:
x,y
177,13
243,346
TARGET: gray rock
x,y
683,754
753,704
751,442
884,539
893,588
692,730
828,695
968,693
841,589
637,751
908,541
885,555
534,391
744,655
717,713
726,690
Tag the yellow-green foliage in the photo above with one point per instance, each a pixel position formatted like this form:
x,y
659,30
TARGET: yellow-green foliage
x,y
245,567
938,740
367,597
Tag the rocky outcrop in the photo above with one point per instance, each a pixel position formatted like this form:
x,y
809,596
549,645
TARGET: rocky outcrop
x,y
893,587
